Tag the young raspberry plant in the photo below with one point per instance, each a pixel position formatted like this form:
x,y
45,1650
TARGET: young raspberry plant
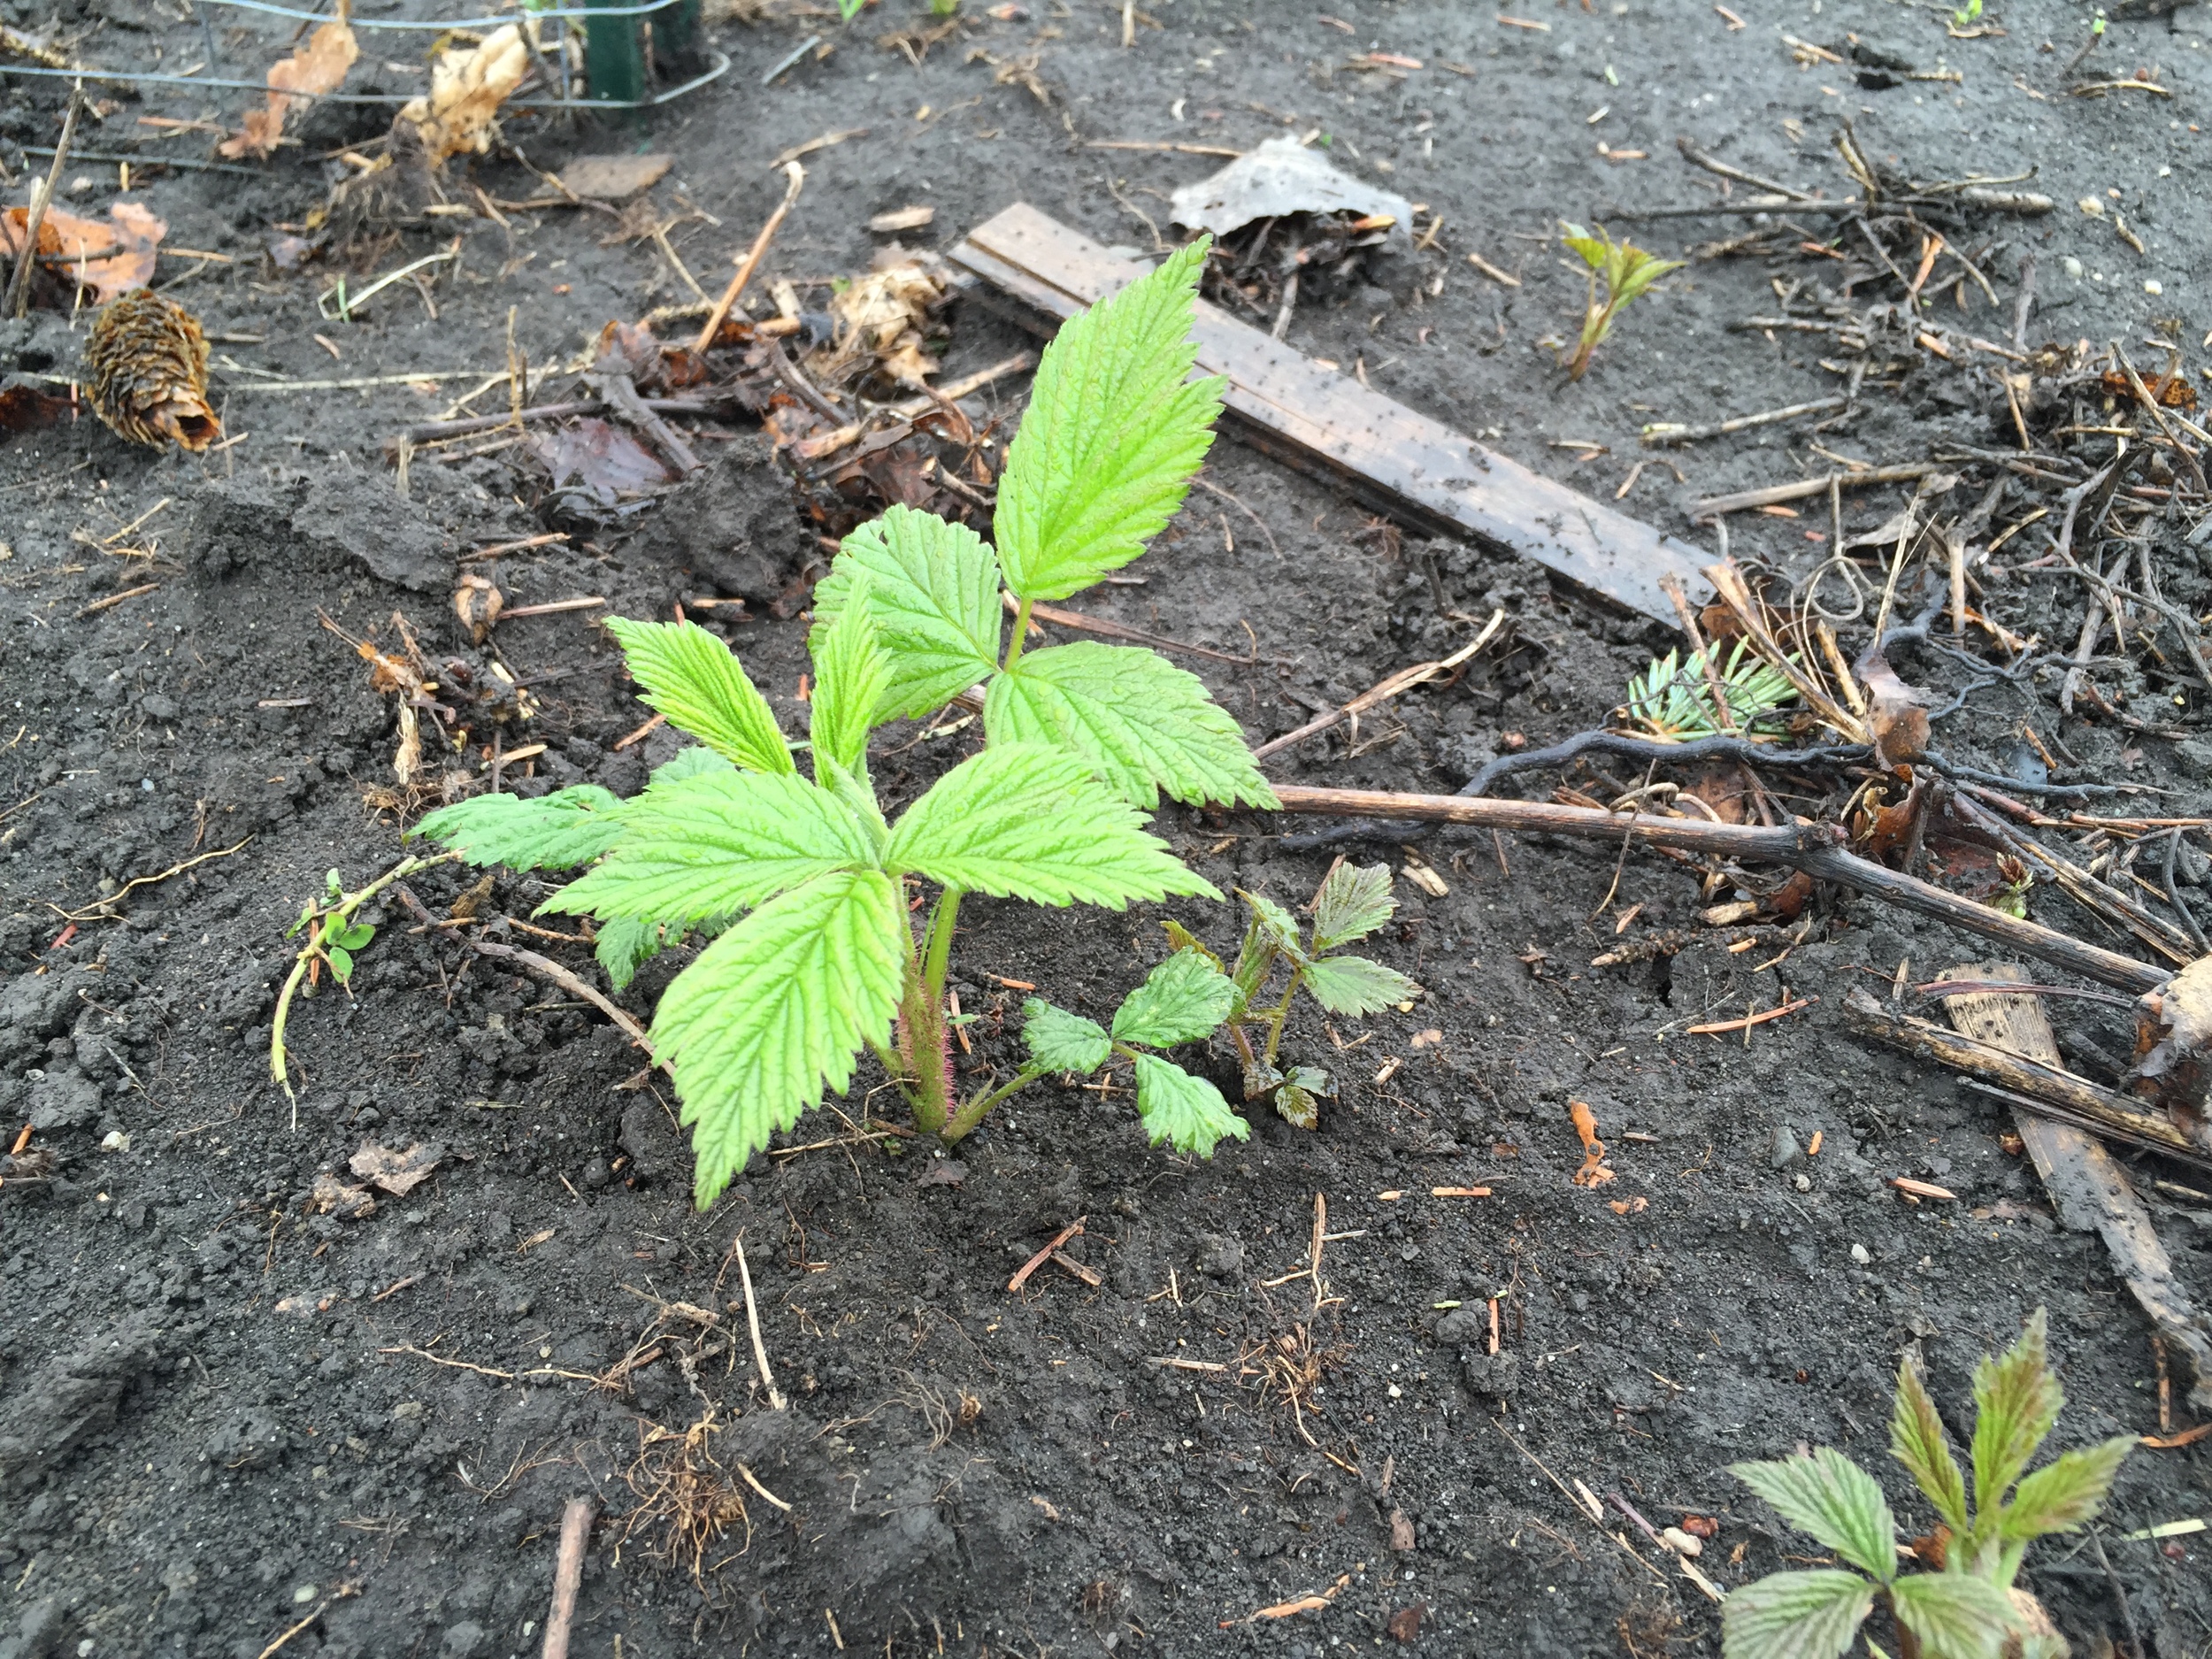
x,y
805,889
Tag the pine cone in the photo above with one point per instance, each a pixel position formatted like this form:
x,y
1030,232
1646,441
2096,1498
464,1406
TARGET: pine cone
x,y
149,373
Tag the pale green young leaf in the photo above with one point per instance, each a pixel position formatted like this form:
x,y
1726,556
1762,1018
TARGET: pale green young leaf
x,y
554,832
341,962
691,677
1272,926
2016,1399
1112,434
1062,1041
1145,725
1833,1499
1917,1439
2061,1495
774,1011
1794,1616
689,763
1181,937
624,946
1187,1112
717,844
933,587
1025,822
1352,903
1590,249
1184,998
1956,1614
852,674
1353,985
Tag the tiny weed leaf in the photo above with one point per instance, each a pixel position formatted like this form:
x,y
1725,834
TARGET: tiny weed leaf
x,y
933,587
1144,724
1181,937
1917,1439
716,844
1184,998
852,676
1113,433
623,947
1352,903
559,831
773,1010
2060,1496
2016,1399
1062,1041
1956,1614
1187,1112
691,677
1833,1499
1353,985
355,935
1794,1616
341,964
1022,821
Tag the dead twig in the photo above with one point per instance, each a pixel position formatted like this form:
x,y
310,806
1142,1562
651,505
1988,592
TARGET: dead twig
x,y
776,1401
794,176
568,1576
1072,1230
1404,680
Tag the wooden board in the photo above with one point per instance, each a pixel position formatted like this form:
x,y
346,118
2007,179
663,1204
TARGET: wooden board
x,y
1402,463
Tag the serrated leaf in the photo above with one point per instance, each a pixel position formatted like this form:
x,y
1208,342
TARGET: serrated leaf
x,y
1181,937
1184,998
341,964
1917,1439
691,677
1112,434
1275,926
554,832
2061,1495
718,844
689,763
624,946
773,1010
1794,1616
1353,985
852,674
1187,1112
933,589
1313,1079
1298,1107
2016,1399
1062,1041
1022,821
1145,725
1833,1499
1352,903
1956,1614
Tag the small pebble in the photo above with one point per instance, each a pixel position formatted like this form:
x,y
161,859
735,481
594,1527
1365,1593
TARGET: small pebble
x,y
1785,1150
303,1595
115,1140
1859,1255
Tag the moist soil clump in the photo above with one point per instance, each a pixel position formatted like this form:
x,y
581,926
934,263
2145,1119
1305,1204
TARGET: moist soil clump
x,y
246,1391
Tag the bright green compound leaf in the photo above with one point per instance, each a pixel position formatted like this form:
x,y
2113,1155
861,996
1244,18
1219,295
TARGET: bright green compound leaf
x,y
2060,1496
1353,985
1113,433
1062,1041
717,844
1184,998
1833,1499
554,832
2016,1399
1187,1112
773,1010
852,674
1956,1614
1353,902
624,946
1145,724
1025,822
1794,1616
1917,1441
691,677
933,587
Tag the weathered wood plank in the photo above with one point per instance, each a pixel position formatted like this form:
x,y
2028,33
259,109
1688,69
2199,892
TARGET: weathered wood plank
x,y
1401,463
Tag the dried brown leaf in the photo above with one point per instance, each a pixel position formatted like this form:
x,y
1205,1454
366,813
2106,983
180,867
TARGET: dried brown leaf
x,y
466,90
318,67
398,1174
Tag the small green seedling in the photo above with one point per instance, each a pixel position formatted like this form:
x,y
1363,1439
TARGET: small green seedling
x,y
1626,270
1969,1609
805,887
1673,700
1968,14
850,9
1350,904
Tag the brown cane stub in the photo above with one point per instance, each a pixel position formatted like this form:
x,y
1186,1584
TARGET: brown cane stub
x,y
478,604
147,373
2173,1047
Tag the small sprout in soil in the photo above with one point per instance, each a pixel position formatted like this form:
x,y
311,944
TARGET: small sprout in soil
x,y
1966,14
1350,904
1627,271
1673,700
1969,1607
802,884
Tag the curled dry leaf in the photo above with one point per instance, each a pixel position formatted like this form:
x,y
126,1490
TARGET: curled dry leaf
x,y
466,90
478,604
108,258
878,320
614,177
398,1174
332,1196
318,67
148,372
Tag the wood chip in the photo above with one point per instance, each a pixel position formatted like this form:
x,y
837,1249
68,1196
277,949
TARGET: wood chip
x,y
1920,1189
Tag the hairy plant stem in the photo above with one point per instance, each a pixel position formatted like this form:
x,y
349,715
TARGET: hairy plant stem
x,y
924,1012
1021,636
962,1122
1281,1013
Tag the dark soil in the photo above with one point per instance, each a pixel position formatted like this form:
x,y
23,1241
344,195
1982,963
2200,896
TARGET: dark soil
x,y
222,1411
